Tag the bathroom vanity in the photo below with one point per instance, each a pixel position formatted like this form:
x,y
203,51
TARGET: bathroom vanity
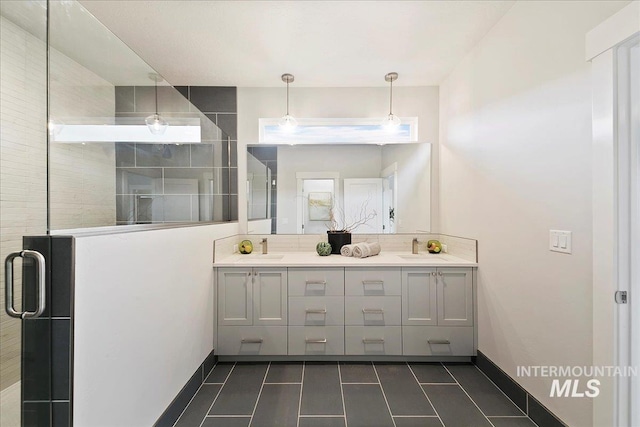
x,y
298,305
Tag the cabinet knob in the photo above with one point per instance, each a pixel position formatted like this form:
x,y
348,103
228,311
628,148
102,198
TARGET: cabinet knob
x,y
433,273
439,273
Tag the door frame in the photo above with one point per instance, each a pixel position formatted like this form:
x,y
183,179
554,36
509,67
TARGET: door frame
x,y
300,177
612,213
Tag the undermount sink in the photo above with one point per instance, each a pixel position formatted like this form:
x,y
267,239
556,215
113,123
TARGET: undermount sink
x,y
260,257
422,257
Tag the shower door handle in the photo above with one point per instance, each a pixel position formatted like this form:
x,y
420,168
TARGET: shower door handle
x,y
40,279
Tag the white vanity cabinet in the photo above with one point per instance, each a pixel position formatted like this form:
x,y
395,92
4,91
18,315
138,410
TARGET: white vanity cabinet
x,y
437,307
346,311
252,311
316,311
373,311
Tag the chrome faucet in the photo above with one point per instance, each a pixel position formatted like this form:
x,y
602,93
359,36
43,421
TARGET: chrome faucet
x,y
264,246
414,246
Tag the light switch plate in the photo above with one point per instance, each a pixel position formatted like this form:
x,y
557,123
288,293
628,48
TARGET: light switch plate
x,y
560,241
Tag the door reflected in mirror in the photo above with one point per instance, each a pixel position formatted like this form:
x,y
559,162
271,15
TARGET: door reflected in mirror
x,y
368,188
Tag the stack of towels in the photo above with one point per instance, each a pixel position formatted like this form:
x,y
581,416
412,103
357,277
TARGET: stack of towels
x,y
360,250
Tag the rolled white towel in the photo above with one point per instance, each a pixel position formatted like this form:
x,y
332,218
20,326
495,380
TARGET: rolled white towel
x,y
374,248
347,250
359,250
364,250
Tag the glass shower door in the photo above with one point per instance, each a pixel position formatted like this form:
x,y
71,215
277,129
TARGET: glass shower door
x,y
23,201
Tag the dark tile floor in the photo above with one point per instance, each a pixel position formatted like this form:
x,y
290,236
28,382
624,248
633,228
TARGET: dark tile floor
x,y
314,394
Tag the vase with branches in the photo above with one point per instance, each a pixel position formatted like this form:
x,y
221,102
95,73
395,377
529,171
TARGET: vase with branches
x,y
339,228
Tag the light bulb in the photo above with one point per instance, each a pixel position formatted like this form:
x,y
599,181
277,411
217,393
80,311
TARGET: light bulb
x,y
156,124
391,122
288,122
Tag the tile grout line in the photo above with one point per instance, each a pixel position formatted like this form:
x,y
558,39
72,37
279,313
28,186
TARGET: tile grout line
x,y
217,394
192,397
300,399
383,394
425,393
505,394
470,398
259,393
344,406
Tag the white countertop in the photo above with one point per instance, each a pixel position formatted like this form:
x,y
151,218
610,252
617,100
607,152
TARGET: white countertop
x,y
312,259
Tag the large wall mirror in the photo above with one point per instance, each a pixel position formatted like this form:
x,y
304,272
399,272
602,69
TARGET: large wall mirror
x,y
301,189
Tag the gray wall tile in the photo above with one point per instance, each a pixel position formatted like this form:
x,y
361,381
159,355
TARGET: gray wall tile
x,y
214,99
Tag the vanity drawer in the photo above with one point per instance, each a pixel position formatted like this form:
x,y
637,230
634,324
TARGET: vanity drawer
x,y
252,340
373,311
316,311
437,341
372,281
316,281
316,340
375,340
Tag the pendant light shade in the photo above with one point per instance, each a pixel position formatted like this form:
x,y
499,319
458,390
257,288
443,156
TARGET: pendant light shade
x,y
287,122
391,121
156,124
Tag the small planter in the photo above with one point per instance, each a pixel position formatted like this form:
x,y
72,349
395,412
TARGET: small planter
x,y
338,239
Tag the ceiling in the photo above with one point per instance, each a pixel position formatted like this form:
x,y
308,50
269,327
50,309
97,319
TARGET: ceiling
x,y
323,43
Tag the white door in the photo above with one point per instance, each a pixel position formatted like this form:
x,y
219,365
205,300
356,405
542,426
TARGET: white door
x,y
363,204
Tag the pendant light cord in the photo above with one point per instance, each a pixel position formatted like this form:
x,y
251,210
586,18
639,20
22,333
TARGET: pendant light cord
x,y
390,97
287,97
156,90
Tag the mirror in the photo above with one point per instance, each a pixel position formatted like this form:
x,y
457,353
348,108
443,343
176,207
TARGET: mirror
x,y
376,188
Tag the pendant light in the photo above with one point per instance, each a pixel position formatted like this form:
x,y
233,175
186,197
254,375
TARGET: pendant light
x,y
156,124
391,121
287,122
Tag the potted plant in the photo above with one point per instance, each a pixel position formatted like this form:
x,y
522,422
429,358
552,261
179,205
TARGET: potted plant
x,y
339,230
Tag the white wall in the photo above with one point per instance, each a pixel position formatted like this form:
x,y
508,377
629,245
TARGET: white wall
x,y
515,161
144,321
361,102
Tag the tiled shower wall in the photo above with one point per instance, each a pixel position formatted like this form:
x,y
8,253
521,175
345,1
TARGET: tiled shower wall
x,y
82,176
178,182
23,174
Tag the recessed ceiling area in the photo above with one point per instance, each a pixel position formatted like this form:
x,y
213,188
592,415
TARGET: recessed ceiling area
x,y
322,43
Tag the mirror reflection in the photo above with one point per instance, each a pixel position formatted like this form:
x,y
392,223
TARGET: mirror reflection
x,y
367,188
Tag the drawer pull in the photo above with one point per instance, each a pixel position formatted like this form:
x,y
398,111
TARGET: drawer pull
x,y
373,282
316,311
439,341
316,282
251,341
373,340
373,311
316,340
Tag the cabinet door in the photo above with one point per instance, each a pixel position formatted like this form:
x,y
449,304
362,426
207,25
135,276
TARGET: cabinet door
x,y
270,296
419,296
455,297
234,296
